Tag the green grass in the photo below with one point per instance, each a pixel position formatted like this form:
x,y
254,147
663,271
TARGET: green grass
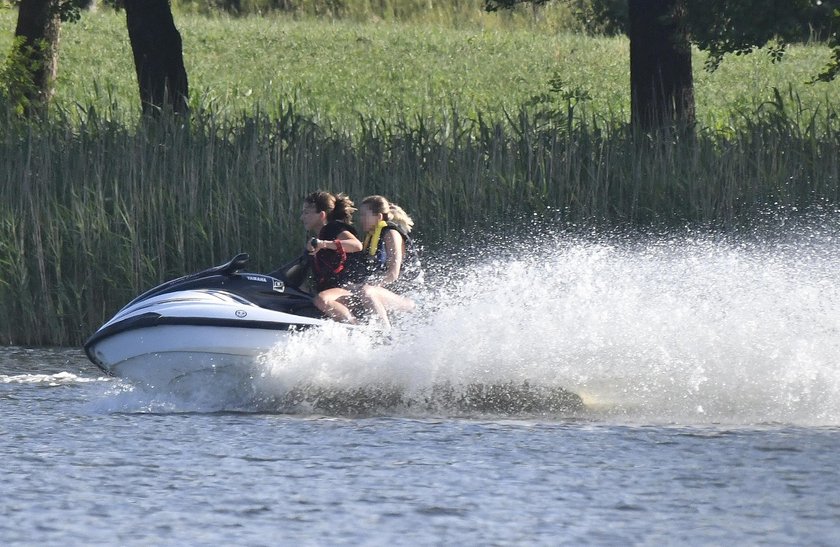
x,y
337,71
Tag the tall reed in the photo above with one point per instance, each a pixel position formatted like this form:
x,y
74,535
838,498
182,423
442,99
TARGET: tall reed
x,y
93,210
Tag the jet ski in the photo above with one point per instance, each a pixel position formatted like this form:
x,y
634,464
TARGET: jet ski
x,y
220,319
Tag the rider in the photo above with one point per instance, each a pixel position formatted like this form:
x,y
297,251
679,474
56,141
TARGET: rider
x,y
329,216
385,247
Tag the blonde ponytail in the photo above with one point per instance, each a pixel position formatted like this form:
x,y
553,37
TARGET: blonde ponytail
x,y
391,212
398,216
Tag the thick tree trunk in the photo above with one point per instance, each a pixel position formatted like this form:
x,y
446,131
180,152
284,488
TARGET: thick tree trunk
x,y
36,52
158,56
662,86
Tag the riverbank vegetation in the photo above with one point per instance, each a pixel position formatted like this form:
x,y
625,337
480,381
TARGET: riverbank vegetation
x,y
456,123
337,71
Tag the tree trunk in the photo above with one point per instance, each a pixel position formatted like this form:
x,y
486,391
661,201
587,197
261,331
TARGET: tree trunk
x,y
158,56
661,83
35,53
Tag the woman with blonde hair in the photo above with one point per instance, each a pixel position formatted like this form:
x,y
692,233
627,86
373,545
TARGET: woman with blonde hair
x,y
392,265
330,217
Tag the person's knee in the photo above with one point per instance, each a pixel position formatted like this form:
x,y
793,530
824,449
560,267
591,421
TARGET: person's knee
x,y
319,302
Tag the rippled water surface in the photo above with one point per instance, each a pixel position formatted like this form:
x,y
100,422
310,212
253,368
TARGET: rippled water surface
x,y
709,375
77,472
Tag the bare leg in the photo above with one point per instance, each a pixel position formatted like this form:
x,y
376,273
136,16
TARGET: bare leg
x,y
372,302
380,300
329,302
394,301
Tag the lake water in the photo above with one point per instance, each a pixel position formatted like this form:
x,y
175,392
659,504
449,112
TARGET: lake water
x,y
710,374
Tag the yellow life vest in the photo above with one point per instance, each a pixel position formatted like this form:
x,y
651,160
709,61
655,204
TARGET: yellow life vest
x,y
372,239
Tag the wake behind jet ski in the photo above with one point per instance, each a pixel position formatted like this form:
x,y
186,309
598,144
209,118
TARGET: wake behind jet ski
x,y
215,320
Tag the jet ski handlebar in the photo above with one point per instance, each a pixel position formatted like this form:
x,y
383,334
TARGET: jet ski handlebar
x,y
234,265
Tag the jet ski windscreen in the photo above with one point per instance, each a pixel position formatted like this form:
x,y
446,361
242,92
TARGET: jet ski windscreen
x,y
294,272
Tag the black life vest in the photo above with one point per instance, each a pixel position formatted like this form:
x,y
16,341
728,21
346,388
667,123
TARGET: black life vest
x,y
331,266
411,269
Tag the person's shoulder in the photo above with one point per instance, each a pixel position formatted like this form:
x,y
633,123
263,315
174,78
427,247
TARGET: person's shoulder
x,y
345,227
335,227
392,226
392,237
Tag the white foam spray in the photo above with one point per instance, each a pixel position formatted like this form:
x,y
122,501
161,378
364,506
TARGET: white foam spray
x,y
683,329
49,380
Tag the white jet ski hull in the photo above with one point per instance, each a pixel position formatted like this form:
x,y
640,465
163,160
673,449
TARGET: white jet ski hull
x,y
213,322
160,355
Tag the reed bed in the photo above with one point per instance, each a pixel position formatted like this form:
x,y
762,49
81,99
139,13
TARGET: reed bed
x,y
92,210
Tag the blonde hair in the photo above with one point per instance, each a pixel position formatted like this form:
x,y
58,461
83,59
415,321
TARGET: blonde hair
x,y
391,212
337,206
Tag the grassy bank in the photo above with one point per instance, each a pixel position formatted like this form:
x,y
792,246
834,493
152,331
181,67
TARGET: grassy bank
x,y
95,207
553,16
337,71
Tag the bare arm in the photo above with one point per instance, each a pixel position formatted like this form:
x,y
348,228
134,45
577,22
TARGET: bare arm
x,y
349,243
394,250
